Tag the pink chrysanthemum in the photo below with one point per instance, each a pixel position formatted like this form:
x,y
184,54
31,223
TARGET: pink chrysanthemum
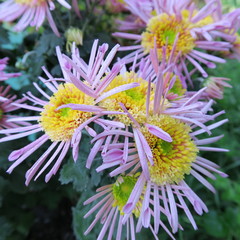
x,y
30,12
68,110
6,108
161,91
111,200
182,28
3,75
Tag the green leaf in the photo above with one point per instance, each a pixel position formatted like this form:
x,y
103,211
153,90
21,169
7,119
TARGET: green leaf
x,y
75,173
15,39
215,225
19,82
48,43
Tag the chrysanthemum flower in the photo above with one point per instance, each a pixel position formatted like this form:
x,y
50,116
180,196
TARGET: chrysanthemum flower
x,y
69,108
179,26
30,12
6,108
139,101
161,91
3,75
111,201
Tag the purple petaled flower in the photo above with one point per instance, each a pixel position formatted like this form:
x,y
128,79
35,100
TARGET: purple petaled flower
x,y
3,75
6,107
68,108
139,102
160,91
164,148
179,26
111,200
30,12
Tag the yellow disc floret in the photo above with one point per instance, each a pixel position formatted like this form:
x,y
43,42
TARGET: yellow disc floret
x,y
163,29
60,124
134,99
172,160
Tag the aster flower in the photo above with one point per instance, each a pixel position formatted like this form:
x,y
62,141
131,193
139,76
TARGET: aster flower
x,y
3,75
30,12
6,107
180,26
136,99
161,90
68,110
110,209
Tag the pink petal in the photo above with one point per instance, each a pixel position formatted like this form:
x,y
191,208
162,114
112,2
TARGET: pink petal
x,y
158,132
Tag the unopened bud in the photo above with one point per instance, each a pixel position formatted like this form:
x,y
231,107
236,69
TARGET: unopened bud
x,y
73,35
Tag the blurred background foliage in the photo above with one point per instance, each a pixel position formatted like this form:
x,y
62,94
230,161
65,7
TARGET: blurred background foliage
x,y
54,211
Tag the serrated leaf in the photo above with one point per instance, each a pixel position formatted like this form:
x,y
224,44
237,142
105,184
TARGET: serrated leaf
x,y
75,173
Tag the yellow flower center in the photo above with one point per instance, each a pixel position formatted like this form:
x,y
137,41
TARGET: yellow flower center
x,y
164,29
30,3
60,124
122,190
172,160
134,99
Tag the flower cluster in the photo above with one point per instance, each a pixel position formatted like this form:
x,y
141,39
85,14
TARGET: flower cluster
x,y
138,110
